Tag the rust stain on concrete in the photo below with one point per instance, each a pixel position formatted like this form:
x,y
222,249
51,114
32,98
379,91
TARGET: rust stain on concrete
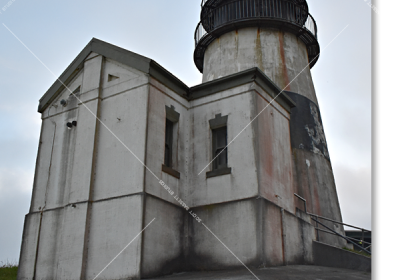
x,y
284,69
259,55
237,48
316,204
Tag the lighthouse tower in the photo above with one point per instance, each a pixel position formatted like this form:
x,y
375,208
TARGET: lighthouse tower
x,y
279,37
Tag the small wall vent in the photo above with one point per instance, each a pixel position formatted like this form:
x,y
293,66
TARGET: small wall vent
x,y
77,90
112,78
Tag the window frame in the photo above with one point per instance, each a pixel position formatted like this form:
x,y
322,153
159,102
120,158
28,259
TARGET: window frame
x,y
218,124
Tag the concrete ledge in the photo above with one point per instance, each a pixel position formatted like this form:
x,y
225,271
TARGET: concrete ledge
x,y
296,272
219,172
171,171
326,255
252,75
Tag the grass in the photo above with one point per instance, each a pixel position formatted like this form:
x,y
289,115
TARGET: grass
x,y
8,271
357,252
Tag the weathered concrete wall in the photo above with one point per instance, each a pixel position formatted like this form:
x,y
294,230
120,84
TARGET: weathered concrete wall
x,y
298,238
119,172
55,244
241,104
113,225
280,55
84,152
236,103
273,239
163,241
312,172
50,239
272,140
123,116
159,97
87,163
26,267
56,149
315,182
63,178
236,225
70,250
259,232
287,238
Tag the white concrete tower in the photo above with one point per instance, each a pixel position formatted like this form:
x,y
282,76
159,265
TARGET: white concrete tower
x,y
277,36
280,38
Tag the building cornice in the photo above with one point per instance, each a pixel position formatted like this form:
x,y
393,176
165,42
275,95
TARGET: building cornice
x,y
252,75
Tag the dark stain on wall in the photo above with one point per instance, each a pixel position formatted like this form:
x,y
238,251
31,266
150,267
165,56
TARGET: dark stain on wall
x,y
306,129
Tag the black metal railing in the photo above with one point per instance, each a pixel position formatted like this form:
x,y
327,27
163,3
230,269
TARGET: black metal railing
x,y
240,10
359,243
203,2
219,17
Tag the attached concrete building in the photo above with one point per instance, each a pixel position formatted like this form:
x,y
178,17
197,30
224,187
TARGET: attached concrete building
x,y
125,144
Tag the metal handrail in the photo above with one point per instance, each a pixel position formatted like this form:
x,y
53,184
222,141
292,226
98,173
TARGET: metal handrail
x,y
351,238
333,221
327,219
355,239
239,10
199,34
315,218
340,235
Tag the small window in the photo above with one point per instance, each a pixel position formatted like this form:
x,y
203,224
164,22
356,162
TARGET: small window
x,y
220,151
171,142
169,130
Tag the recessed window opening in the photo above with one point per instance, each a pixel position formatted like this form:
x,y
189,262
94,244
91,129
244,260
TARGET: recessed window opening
x,y
220,151
169,130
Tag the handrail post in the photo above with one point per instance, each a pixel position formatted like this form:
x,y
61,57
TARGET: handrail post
x,y
362,238
317,229
305,202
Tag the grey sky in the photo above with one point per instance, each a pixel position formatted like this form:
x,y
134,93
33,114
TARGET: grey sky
x,y
163,30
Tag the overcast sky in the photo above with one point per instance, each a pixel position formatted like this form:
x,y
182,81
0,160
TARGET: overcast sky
x,y
56,31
